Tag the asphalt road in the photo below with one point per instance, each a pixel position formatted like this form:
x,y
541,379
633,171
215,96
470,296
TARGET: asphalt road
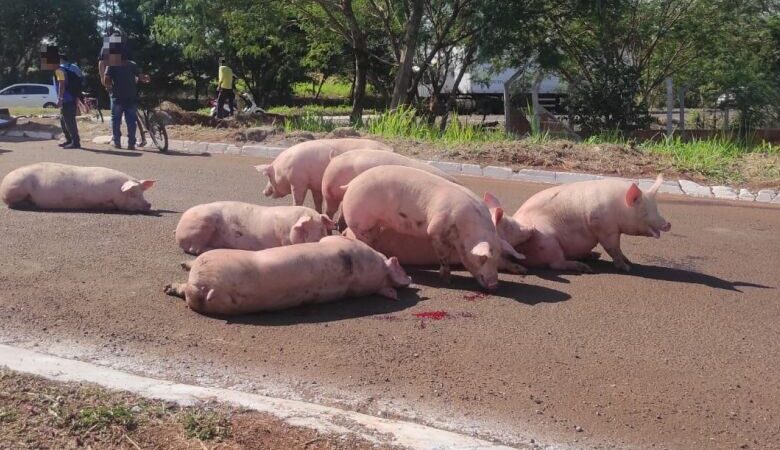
x,y
683,352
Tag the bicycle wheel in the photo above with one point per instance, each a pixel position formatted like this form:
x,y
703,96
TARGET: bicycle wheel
x,y
140,120
158,134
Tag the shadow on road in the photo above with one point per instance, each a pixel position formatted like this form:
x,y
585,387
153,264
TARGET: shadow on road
x,y
4,151
175,153
686,276
331,312
33,208
529,294
660,273
113,152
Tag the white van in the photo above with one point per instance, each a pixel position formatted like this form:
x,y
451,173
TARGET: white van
x,y
28,95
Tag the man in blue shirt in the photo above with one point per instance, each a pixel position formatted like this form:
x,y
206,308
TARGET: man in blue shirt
x,y
121,81
69,83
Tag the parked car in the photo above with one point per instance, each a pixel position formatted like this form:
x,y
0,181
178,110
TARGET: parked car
x,y
28,95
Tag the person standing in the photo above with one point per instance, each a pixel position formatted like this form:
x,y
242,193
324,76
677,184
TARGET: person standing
x,y
69,85
225,88
121,81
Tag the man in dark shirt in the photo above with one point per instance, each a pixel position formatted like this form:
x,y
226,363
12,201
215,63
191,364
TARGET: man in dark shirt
x,y
121,82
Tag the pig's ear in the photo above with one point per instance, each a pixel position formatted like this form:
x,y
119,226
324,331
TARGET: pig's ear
x,y
482,251
129,184
658,182
333,153
510,252
491,201
327,223
397,273
633,195
498,214
266,169
388,292
301,222
147,184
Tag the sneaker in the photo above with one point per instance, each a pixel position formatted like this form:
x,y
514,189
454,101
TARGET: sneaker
x,y
117,145
131,147
72,145
63,144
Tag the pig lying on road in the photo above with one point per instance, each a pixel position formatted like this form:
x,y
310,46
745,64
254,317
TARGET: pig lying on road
x,y
245,226
61,186
299,168
568,221
228,282
342,169
417,203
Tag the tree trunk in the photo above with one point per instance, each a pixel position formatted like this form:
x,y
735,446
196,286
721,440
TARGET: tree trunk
x,y
452,101
361,72
404,76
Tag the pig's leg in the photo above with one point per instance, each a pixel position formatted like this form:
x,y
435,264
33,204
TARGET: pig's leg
x,y
175,289
505,265
442,246
611,244
317,196
553,253
299,194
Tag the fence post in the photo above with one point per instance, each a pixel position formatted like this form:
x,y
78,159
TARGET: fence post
x,y
669,107
726,119
535,100
508,112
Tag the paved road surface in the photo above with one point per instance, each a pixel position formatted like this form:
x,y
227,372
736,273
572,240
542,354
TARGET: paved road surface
x,y
682,353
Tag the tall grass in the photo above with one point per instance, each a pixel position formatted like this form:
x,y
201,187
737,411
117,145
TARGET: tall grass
x,y
715,158
308,122
405,123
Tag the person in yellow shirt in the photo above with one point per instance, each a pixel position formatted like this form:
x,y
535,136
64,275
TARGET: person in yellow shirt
x,y
225,89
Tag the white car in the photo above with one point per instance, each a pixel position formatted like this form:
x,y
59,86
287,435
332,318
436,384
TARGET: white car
x,y
28,95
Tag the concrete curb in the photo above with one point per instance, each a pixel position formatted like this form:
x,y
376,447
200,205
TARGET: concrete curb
x,y
298,413
681,187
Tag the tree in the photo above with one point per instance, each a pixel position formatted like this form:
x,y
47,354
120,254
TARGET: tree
x,y
24,25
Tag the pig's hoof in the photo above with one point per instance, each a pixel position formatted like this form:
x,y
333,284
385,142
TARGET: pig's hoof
x,y
622,266
594,256
169,289
445,276
584,268
186,265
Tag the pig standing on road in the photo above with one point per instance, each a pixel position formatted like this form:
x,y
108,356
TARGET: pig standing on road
x,y
417,203
299,168
61,186
568,221
228,282
245,226
342,169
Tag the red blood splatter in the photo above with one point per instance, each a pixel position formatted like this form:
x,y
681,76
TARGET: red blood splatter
x,y
433,315
475,296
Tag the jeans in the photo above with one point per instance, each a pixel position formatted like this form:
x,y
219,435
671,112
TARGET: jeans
x,y
68,122
129,110
225,94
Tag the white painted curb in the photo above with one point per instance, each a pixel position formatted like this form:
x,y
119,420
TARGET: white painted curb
x,y
682,187
322,418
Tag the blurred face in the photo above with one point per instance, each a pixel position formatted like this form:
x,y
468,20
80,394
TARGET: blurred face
x,y
50,58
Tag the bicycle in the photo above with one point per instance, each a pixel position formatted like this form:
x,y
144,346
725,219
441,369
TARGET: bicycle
x,y
152,122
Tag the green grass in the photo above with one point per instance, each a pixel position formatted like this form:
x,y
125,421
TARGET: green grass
x,y
99,417
715,158
308,122
332,88
405,123
205,425
340,110
25,111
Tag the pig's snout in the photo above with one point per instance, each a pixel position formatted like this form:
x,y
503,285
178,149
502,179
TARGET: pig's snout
x,y
666,227
488,284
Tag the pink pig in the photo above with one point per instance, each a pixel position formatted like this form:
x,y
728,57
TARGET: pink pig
x,y
560,225
418,251
229,282
342,169
299,168
245,226
61,186
411,201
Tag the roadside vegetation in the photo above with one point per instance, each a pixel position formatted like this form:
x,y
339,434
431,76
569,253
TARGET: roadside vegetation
x,y
36,413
